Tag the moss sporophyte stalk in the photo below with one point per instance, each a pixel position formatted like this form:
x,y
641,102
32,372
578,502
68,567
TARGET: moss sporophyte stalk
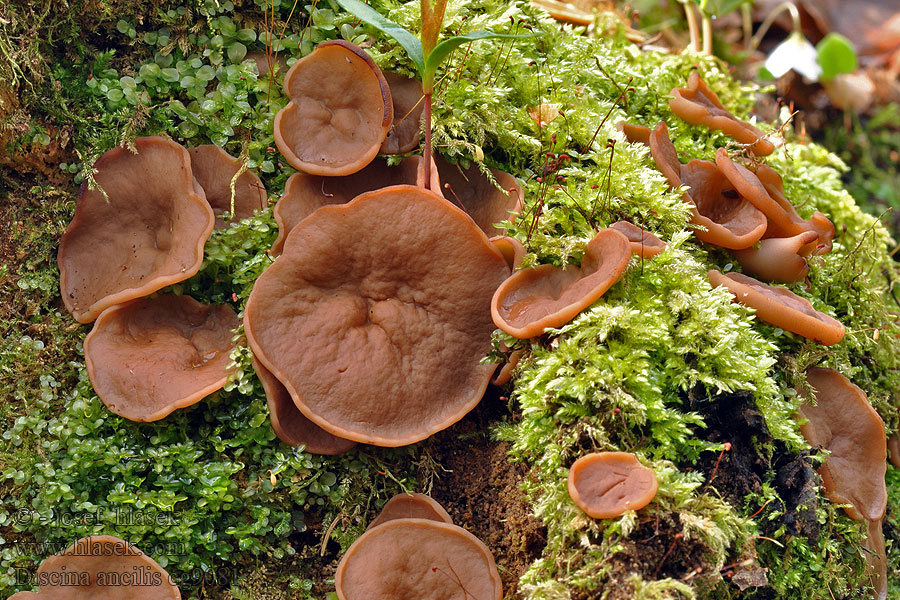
x,y
664,366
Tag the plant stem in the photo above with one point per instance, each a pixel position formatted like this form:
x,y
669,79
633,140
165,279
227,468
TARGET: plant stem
x,y
707,35
426,152
784,6
691,17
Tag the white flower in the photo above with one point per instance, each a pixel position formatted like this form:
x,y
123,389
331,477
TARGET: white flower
x,y
794,53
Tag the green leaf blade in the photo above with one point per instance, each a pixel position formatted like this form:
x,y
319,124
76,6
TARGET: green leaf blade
x,y
443,50
372,17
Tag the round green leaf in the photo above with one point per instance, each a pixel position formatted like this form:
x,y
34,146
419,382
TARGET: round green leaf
x,y
236,52
836,56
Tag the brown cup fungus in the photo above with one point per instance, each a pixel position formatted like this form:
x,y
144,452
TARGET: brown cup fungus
x,y
151,356
512,250
101,567
479,197
339,114
781,307
643,243
376,316
730,220
418,559
147,233
697,104
213,168
782,260
409,103
305,193
411,506
290,425
636,134
549,296
606,484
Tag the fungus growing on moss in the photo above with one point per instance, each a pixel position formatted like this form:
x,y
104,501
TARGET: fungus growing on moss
x,y
407,97
779,259
377,308
636,134
478,195
151,356
606,484
697,104
781,307
417,559
339,114
411,506
101,567
643,243
893,445
549,296
730,221
305,193
290,425
147,233
213,168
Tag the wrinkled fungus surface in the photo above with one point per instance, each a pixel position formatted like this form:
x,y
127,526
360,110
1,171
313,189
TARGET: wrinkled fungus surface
x,y
101,567
411,506
549,296
606,484
290,425
149,234
377,316
152,355
781,307
213,168
339,114
418,559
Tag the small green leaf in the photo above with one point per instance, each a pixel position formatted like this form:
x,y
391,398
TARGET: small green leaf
x,y
236,52
836,56
719,8
442,50
370,16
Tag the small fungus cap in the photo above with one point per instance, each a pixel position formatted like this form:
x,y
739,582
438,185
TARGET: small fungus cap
x,y
290,425
376,317
417,559
305,193
512,250
408,100
151,356
149,234
213,168
697,104
787,222
549,296
339,114
411,506
643,243
844,423
781,307
478,195
606,484
101,567
779,259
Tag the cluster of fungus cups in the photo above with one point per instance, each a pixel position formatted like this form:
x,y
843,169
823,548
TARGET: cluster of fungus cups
x,y
145,229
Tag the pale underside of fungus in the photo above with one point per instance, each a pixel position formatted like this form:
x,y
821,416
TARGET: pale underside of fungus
x,y
606,484
214,169
151,356
417,559
377,316
101,567
339,114
146,233
549,296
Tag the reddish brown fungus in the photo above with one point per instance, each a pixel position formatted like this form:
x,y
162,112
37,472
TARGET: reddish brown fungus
x,y
418,559
779,259
635,133
411,506
512,250
147,233
409,103
781,307
339,114
479,197
101,567
643,243
375,309
213,168
697,104
549,296
151,356
606,484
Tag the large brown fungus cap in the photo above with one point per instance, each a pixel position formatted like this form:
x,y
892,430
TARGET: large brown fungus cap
x,y
339,114
606,484
305,193
409,102
697,104
213,168
418,559
411,506
149,234
152,355
101,567
479,196
844,423
376,317
730,221
290,425
549,296
781,307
